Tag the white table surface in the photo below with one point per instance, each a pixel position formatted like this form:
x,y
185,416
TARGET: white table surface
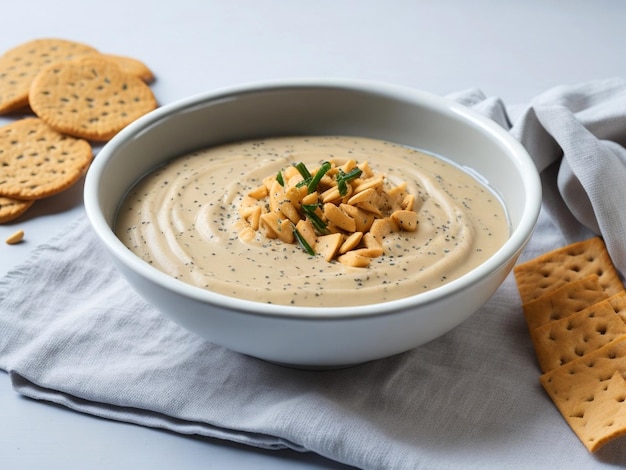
x,y
513,50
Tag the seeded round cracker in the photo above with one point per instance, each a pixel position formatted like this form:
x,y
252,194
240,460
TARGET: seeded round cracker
x,y
21,64
132,66
36,161
11,209
91,97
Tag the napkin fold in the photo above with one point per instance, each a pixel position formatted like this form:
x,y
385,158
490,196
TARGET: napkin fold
x,y
576,136
72,332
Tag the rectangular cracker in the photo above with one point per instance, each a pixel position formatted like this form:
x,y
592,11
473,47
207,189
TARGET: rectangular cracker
x,y
561,341
618,302
554,269
569,298
590,393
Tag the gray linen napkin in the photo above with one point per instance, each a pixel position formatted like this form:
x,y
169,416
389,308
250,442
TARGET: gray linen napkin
x,y
72,332
576,135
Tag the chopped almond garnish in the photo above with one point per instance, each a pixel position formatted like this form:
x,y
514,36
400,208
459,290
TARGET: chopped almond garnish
x,y
340,212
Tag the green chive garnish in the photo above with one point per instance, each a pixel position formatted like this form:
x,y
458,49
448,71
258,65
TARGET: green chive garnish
x,y
303,243
344,178
312,186
279,178
304,171
318,224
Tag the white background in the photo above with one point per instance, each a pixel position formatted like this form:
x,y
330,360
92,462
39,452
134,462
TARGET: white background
x,y
509,49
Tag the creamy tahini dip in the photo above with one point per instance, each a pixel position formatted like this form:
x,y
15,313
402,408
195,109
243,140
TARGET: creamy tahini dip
x,y
183,220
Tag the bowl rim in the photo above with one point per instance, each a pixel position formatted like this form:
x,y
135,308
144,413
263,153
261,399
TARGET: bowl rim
x,y
512,247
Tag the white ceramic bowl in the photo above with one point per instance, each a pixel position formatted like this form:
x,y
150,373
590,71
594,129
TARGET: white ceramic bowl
x,y
309,336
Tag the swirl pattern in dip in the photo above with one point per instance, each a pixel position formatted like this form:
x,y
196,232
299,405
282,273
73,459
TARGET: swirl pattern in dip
x,y
183,220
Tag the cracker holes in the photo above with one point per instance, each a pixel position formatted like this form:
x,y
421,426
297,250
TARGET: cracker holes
x,y
578,414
